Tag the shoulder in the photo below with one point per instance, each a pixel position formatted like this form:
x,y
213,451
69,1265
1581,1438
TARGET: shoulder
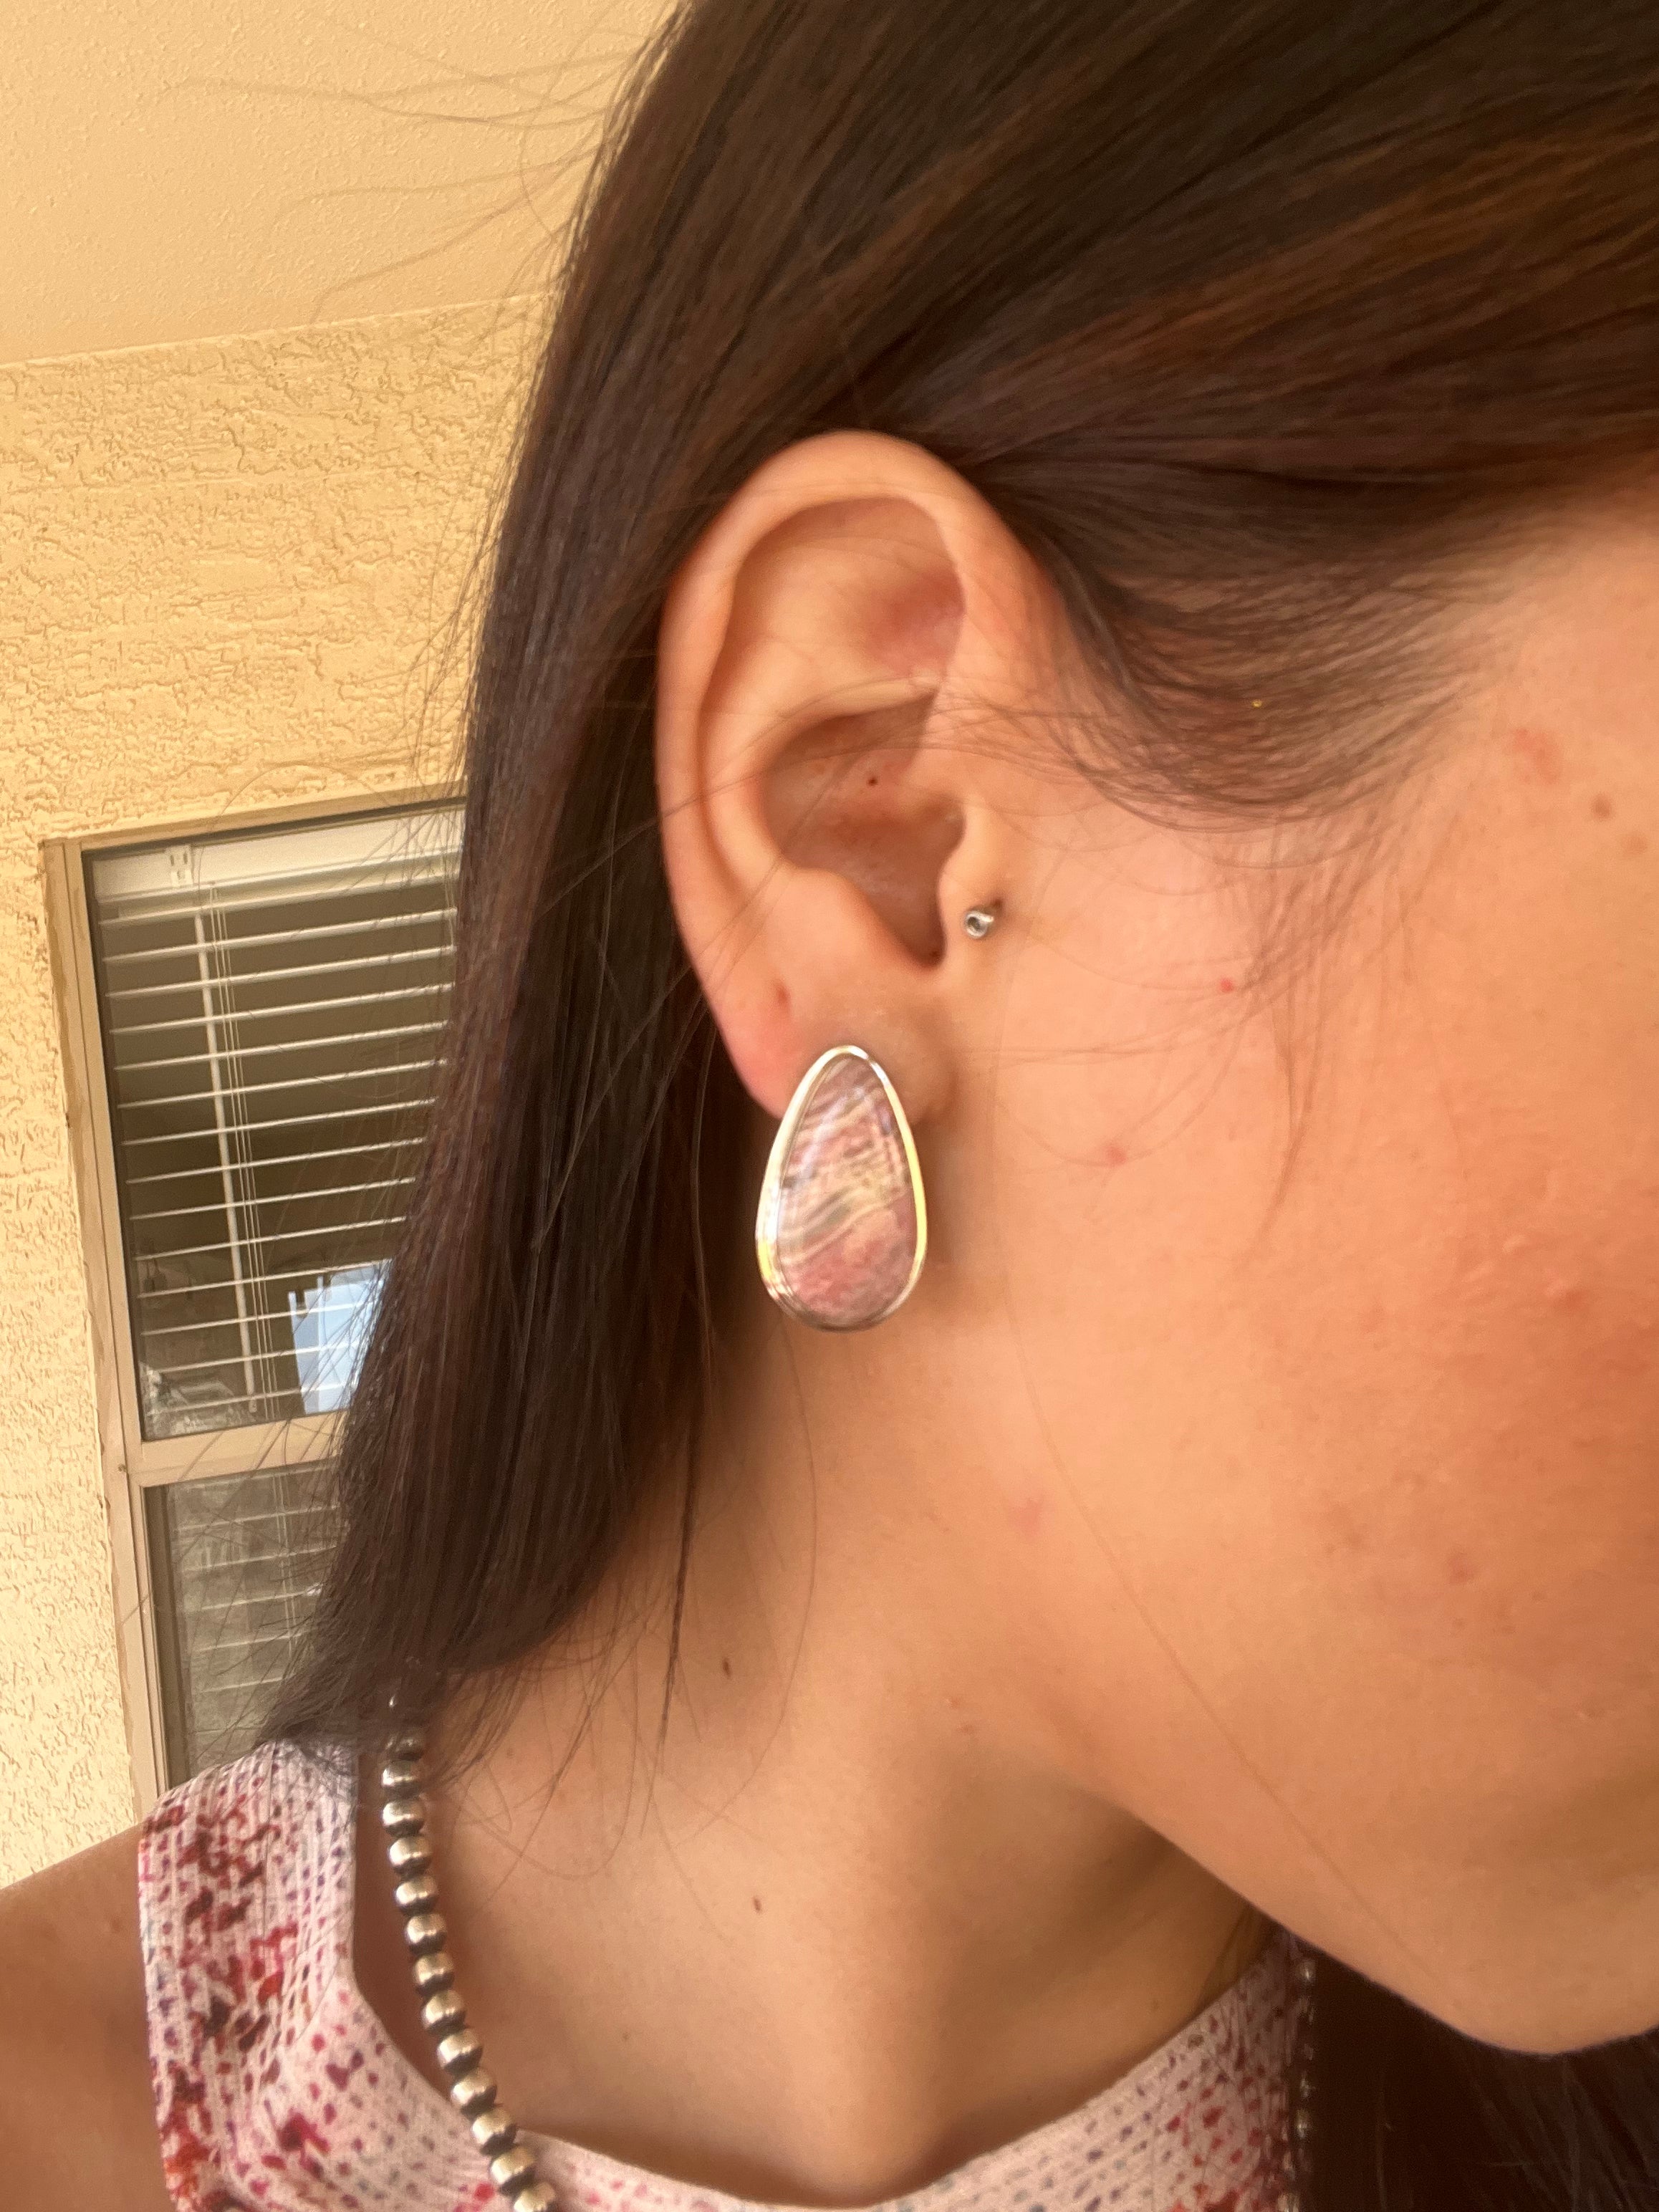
x,y
156,1981
243,1923
74,2051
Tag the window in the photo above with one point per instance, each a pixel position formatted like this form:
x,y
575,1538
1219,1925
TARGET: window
x,y
253,1018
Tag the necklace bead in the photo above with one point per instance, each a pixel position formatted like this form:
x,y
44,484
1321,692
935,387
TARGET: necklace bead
x,y
474,2092
459,2052
512,2168
435,1970
442,2014
416,1893
492,2128
403,1816
426,1931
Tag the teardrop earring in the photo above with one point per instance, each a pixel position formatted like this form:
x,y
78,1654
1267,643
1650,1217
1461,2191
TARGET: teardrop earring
x,y
842,1229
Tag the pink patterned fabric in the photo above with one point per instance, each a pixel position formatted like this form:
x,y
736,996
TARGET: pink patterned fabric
x,y
278,2089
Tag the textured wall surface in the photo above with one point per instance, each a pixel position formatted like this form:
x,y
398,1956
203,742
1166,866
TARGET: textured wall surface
x,y
173,171
226,569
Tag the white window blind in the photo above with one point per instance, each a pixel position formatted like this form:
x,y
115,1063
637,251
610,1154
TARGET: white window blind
x,y
271,1006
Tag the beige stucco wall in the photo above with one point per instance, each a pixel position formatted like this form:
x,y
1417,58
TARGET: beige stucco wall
x,y
175,171
222,567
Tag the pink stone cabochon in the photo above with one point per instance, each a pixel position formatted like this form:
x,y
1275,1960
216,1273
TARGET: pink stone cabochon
x,y
841,1210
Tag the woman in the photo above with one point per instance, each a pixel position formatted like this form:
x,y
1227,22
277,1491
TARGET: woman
x,y
1072,659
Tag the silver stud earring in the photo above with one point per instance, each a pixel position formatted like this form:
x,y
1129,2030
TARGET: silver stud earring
x,y
981,920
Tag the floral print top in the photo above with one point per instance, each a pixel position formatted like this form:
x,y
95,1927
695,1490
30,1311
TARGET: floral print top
x,y
278,2089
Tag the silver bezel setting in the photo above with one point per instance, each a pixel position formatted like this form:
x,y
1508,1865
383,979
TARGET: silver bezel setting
x,y
771,1193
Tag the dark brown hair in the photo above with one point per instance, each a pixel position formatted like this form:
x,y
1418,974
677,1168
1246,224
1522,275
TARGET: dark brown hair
x,y
1246,319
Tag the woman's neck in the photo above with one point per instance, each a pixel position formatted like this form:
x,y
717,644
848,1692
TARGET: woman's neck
x,y
851,1921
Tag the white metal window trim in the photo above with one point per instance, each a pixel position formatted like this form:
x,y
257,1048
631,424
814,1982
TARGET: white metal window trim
x,y
130,1461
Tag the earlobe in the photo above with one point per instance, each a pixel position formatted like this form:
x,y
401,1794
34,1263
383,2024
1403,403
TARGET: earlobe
x,y
815,798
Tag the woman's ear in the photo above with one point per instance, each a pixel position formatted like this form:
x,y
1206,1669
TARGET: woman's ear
x,y
827,816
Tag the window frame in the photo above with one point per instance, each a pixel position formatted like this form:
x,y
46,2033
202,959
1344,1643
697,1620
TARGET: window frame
x,y
131,1462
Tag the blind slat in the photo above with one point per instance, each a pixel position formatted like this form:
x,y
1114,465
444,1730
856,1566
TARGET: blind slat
x,y
233,1018
289,1121
294,1278
288,1198
288,1539
276,1396
245,1052
278,1160
273,1237
257,1512
420,918
263,1090
250,978
256,1317
409,845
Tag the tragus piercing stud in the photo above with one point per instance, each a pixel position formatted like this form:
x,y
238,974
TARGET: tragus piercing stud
x,y
981,920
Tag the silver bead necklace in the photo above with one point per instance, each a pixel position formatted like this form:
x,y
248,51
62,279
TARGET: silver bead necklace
x,y
460,2054
443,2016
1298,2150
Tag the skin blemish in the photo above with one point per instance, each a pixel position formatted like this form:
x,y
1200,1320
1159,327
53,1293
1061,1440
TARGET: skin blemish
x,y
1601,806
1115,1156
1539,755
725,1666
1349,1535
1459,1568
757,1904
1225,984
1027,1516
1634,845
